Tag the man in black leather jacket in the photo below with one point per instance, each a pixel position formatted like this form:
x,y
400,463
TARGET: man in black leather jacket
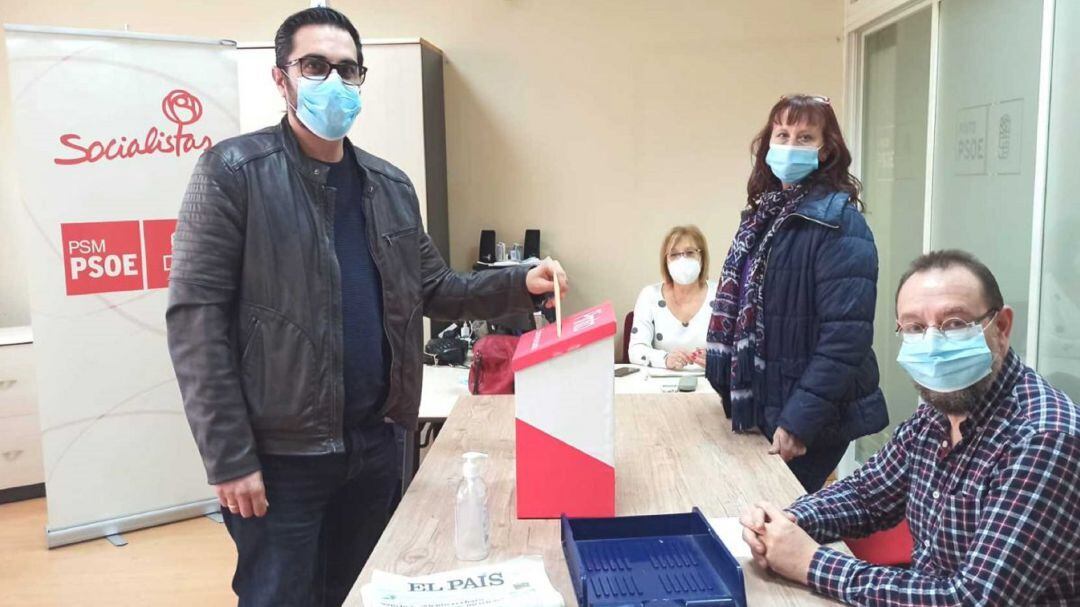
x,y
301,275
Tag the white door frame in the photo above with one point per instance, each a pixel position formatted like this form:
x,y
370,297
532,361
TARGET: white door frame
x,y
873,16
1038,216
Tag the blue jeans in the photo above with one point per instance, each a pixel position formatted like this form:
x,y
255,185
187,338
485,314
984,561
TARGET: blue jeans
x,y
326,514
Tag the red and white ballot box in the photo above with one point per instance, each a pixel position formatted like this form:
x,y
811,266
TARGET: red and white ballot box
x,y
566,419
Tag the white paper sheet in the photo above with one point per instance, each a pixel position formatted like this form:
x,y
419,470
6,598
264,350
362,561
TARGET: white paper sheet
x,y
729,529
687,371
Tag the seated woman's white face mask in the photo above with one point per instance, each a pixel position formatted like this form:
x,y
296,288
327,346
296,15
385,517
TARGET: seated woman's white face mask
x,y
684,270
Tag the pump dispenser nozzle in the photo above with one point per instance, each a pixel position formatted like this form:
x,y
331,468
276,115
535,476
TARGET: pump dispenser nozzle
x,y
473,465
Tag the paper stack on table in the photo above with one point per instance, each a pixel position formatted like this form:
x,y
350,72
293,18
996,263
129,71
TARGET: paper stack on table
x,y
729,530
520,582
687,371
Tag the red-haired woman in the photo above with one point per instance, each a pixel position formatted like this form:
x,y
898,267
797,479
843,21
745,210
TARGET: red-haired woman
x,y
789,343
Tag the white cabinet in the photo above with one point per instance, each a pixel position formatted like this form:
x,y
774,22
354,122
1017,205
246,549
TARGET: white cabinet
x,y
20,432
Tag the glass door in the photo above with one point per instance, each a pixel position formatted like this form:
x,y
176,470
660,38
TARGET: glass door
x,y
895,107
984,141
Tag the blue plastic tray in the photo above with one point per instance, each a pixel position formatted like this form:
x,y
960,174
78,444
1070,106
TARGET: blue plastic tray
x,y
649,561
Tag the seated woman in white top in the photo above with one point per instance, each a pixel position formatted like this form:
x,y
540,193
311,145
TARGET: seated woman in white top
x,y
672,317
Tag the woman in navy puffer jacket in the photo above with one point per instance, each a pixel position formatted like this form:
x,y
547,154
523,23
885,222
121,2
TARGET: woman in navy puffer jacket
x,y
792,327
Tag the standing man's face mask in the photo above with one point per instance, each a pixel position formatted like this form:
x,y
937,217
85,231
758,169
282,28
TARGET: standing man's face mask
x,y
947,364
791,163
684,270
328,107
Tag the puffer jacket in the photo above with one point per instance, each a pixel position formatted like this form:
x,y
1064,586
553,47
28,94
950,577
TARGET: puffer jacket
x,y
820,379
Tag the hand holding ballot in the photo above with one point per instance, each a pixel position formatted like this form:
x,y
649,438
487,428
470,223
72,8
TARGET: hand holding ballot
x,y
541,279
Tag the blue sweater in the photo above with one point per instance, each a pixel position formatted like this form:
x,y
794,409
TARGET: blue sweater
x,y
365,363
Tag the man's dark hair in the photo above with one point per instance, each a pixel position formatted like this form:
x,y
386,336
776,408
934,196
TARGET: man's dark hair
x,y
319,15
948,258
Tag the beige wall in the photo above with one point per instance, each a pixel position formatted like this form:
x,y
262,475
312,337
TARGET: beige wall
x,y
602,123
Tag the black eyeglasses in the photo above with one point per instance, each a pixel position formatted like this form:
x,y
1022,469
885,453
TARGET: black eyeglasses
x,y
316,68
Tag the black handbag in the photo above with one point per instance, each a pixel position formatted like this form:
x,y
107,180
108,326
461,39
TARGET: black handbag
x,y
447,350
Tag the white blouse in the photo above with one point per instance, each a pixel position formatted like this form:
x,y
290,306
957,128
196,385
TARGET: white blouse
x,y
656,331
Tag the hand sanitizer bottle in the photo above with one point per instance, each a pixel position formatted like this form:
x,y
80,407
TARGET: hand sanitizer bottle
x,y
471,540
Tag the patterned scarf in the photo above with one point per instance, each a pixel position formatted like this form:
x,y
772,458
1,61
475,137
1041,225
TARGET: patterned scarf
x,y
737,328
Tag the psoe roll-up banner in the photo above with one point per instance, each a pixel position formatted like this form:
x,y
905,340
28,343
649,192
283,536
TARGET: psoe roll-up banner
x,y
108,128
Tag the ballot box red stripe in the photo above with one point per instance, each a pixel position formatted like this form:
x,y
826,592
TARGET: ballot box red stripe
x,y
554,478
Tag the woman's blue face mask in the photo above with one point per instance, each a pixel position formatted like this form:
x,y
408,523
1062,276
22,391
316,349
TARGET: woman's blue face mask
x,y
790,163
794,149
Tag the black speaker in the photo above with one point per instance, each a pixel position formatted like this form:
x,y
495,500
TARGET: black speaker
x,y
487,246
532,244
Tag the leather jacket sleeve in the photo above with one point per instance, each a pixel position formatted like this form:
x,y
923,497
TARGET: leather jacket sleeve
x,y
486,294
203,289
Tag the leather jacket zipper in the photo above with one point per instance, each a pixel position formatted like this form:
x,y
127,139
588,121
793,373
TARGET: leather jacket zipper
x,y
372,238
391,236
337,410
250,337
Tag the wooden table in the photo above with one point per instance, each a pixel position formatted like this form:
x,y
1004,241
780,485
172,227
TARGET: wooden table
x,y
443,386
672,452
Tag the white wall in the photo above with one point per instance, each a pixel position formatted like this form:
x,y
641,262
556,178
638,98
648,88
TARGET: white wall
x,y
603,123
